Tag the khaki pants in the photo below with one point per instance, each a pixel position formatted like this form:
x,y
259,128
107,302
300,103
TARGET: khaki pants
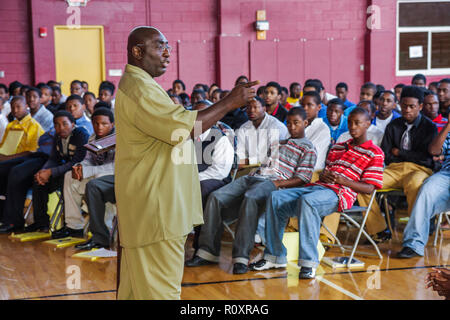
x,y
407,176
153,272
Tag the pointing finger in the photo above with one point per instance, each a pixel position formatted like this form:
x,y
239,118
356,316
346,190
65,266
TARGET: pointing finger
x,y
251,84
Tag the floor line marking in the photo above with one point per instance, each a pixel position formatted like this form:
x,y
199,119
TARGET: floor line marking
x,y
338,288
193,284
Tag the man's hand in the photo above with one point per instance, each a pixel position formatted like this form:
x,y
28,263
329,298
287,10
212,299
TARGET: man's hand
x,y
243,93
77,172
327,177
43,176
276,183
395,151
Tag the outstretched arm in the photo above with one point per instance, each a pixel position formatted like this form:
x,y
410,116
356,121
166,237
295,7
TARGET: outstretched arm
x,y
239,96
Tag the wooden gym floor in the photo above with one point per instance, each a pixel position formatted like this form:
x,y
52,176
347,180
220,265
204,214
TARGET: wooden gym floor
x,y
33,270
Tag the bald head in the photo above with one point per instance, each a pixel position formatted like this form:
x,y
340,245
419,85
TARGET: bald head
x,y
139,36
148,49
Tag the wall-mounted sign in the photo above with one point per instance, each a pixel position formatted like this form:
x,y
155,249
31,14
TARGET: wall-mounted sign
x,y
415,52
77,3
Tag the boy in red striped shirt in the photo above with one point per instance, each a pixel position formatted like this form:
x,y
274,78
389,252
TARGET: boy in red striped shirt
x,y
352,167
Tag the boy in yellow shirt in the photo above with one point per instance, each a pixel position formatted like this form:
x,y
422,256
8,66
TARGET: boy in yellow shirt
x,y
23,121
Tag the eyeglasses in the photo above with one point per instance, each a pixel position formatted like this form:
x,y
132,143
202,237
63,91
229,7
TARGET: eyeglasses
x,y
160,47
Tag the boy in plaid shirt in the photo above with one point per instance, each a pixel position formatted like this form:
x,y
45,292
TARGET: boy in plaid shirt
x,y
352,167
291,167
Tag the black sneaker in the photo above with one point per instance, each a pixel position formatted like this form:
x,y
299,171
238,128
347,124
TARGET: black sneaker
x,y
36,227
240,268
307,273
197,262
407,253
8,228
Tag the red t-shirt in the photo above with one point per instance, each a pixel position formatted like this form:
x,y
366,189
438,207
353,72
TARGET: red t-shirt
x,y
440,122
363,163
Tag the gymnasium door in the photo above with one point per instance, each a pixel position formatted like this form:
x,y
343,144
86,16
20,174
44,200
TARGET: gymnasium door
x,y
79,54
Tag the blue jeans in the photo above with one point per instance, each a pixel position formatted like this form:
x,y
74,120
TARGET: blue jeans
x,y
433,198
309,205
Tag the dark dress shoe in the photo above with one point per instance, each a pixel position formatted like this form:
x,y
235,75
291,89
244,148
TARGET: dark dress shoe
x,y
407,253
197,262
36,227
307,273
240,268
67,232
90,245
8,228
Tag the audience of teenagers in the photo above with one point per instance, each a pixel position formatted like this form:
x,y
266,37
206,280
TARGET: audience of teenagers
x,y
299,152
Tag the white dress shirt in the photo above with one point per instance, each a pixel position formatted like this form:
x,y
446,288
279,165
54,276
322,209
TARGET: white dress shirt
x,y
3,125
6,109
373,133
221,159
254,143
319,134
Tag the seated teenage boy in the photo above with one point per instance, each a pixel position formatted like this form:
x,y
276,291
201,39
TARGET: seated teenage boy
x,y
316,85
355,166
408,161
75,105
93,166
342,92
89,101
387,111
335,119
295,91
272,98
373,133
291,166
255,137
431,109
215,155
99,192
22,121
37,110
68,149
106,93
367,92
432,199
16,178
317,131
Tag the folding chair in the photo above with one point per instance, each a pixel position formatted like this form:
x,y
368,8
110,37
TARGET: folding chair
x,y
439,228
345,214
57,213
384,194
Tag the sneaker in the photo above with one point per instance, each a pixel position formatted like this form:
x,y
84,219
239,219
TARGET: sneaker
x,y
266,265
258,239
240,268
407,253
307,273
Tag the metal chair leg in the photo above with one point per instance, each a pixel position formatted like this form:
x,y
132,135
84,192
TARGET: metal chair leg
x,y
438,228
361,231
56,217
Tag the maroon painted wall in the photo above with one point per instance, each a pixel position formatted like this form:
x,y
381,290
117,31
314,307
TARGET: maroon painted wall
x,y
15,42
215,41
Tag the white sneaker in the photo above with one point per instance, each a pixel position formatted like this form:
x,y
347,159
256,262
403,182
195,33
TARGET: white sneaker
x,y
258,238
266,265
